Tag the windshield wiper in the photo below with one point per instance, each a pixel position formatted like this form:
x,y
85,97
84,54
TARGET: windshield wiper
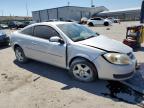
x,y
80,39
90,37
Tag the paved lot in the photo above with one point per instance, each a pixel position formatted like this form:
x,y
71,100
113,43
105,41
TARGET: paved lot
x,y
38,85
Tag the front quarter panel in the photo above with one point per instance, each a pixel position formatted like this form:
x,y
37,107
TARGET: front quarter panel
x,y
77,50
14,39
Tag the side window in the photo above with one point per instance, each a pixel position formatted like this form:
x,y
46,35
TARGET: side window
x,y
28,31
45,32
92,19
97,18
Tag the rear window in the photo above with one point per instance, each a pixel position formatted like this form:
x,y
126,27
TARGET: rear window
x,y
44,32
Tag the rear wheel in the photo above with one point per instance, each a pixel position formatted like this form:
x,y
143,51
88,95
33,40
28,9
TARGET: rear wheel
x,y
106,24
20,56
91,24
83,70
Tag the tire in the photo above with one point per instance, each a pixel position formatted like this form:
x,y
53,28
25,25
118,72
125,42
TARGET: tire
x,y
90,24
20,56
115,21
83,70
106,24
82,22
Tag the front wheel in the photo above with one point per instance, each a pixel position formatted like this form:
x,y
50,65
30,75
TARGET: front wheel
x,y
83,70
115,21
20,56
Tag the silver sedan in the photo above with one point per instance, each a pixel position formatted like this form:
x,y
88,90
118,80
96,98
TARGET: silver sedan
x,y
86,54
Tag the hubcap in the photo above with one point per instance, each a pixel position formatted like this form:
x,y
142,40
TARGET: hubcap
x,y
82,72
19,55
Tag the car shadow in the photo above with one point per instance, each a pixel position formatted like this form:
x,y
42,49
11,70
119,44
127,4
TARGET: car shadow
x,y
107,89
139,49
3,47
102,26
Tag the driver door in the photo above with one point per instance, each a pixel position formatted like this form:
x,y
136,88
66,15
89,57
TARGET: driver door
x,y
98,21
43,50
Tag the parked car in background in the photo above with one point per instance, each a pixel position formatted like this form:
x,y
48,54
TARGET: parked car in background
x,y
4,39
114,20
3,26
26,23
99,21
72,46
16,24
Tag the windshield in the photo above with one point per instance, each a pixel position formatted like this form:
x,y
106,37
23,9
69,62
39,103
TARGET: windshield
x,y
76,32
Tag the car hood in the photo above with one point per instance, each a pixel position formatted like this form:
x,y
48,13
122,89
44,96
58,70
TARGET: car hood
x,y
106,44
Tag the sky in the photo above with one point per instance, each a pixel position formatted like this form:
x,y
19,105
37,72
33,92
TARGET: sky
x,y
18,7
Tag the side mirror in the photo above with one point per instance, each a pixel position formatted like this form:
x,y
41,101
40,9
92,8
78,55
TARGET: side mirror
x,y
56,39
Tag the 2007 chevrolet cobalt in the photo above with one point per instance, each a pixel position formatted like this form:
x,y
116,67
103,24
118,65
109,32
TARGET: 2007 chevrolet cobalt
x,y
86,54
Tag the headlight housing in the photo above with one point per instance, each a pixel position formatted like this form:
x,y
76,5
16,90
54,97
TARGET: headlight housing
x,y
117,58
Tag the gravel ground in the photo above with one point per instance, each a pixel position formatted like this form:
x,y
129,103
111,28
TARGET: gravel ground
x,y
38,85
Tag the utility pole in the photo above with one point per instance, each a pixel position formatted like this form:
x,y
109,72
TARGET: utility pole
x,y
2,12
27,13
92,5
10,17
68,3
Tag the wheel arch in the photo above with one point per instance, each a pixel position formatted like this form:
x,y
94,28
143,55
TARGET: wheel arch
x,y
89,23
106,22
81,57
16,45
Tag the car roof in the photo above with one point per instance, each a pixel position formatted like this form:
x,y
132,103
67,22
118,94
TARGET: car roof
x,y
97,17
47,23
52,23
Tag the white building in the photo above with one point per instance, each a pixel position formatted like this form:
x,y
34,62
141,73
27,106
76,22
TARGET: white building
x,y
66,13
123,14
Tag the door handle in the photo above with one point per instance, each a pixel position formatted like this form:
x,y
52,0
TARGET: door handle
x,y
34,43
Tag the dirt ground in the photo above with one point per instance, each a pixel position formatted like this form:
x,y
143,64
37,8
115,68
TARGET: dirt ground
x,y
38,85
